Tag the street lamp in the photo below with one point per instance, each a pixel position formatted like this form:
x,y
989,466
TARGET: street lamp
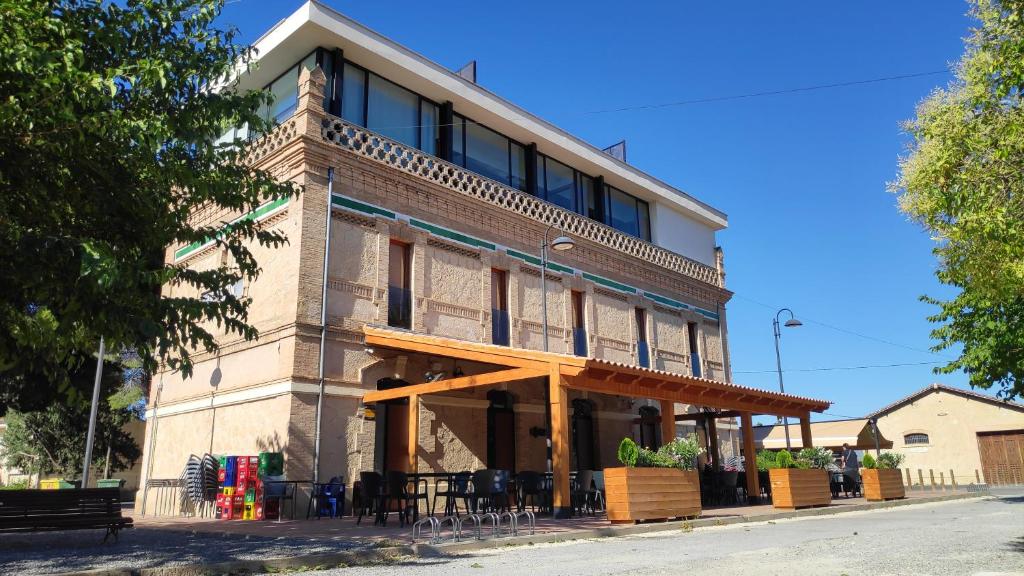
x,y
561,244
791,323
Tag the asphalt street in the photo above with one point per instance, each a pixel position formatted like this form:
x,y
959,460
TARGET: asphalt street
x,y
979,537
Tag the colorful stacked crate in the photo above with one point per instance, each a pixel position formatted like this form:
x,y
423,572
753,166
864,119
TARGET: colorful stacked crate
x,y
250,489
226,479
270,464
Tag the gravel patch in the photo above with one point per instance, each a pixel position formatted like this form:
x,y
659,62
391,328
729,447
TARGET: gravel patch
x,y
56,552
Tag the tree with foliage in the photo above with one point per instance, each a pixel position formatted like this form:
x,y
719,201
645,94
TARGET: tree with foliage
x,y
963,181
109,128
52,440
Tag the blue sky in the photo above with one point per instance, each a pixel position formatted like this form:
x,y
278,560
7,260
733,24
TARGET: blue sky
x,y
802,176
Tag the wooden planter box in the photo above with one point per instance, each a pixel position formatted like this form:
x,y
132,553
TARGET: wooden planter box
x,y
636,494
794,488
882,484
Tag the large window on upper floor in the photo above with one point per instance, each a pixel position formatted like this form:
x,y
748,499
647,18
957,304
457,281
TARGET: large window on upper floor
x,y
488,153
388,109
628,214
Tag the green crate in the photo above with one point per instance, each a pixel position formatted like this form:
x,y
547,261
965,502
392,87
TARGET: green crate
x,y
110,483
271,463
55,484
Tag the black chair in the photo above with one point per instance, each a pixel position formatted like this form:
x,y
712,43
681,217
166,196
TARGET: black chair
x,y
371,485
396,491
531,485
727,487
765,482
490,490
417,490
741,485
583,494
835,483
851,485
452,488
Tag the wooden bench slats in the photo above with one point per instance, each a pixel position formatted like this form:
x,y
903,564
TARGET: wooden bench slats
x,y
45,510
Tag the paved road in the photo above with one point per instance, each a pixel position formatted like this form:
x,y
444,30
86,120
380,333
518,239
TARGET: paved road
x,y
952,538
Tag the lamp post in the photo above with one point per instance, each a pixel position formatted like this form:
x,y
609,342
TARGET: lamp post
x,y
791,323
560,243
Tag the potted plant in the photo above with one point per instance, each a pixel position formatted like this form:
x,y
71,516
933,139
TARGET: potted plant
x,y
802,481
654,485
881,478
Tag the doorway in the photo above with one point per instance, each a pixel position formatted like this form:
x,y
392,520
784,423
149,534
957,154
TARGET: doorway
x,y
501,431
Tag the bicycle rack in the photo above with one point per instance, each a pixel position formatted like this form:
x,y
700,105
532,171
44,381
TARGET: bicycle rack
x,y
417,528
475,518
512,527
456,525
531,520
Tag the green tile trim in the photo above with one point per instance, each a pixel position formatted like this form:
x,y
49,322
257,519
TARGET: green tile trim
x,y
351,204
610,283
667,301
452,235
254,215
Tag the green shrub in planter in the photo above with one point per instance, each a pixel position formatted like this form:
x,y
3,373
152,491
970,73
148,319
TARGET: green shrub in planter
x,y
869,462
784,459
817,457
889,460
628,453
766,460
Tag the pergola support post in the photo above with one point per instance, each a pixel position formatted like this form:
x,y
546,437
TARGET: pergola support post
x,y
559,399
668,421
805,431
414,433
750,458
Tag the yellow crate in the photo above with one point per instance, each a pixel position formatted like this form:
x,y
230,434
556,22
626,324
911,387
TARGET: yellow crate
x,y
229,491
249,512
54,484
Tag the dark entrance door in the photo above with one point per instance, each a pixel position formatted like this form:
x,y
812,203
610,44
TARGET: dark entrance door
x,y
501,431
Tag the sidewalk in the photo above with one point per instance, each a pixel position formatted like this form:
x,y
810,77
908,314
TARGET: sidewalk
x,y
188,546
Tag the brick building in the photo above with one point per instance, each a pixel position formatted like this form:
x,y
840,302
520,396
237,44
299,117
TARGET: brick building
x,y
442,194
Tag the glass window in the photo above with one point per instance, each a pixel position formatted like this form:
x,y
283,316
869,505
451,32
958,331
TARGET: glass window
x,y
623,212
561,187
428,127
593,202
487,152
328,68
392,111
917,438
643,213
285,91
518,161
458,141
353,95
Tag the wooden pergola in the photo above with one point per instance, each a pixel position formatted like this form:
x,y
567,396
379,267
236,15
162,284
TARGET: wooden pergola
x,y
601,376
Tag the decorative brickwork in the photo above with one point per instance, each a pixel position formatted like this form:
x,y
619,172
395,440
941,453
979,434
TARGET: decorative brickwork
x,y
408,159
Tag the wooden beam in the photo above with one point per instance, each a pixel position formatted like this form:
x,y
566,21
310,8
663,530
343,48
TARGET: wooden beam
x,y
463,382
463,350
805,430
750,457
699,415
414,433
668,421
686,395
559,399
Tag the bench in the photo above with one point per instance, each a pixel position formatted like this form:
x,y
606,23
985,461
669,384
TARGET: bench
x,y
73,509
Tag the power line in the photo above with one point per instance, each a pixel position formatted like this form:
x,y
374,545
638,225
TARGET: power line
x,y
833,368
850,332
769,93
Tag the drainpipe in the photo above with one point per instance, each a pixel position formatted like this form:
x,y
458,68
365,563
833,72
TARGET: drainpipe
x,y
323,329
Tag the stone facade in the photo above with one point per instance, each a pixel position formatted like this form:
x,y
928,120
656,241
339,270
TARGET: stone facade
x,y
262,395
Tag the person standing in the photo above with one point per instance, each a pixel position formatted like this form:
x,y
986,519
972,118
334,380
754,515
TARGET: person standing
x,y
851,468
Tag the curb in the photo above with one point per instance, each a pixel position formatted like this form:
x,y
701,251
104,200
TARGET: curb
x,y
307,562
389,554
634,529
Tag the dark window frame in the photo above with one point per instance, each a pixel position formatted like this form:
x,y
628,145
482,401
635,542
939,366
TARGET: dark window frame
x,y
916,438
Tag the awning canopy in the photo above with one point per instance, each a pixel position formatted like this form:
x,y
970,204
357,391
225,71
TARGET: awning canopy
x,y
591,374
857,433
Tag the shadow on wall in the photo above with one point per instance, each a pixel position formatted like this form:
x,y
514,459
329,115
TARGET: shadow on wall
x,y
270,443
